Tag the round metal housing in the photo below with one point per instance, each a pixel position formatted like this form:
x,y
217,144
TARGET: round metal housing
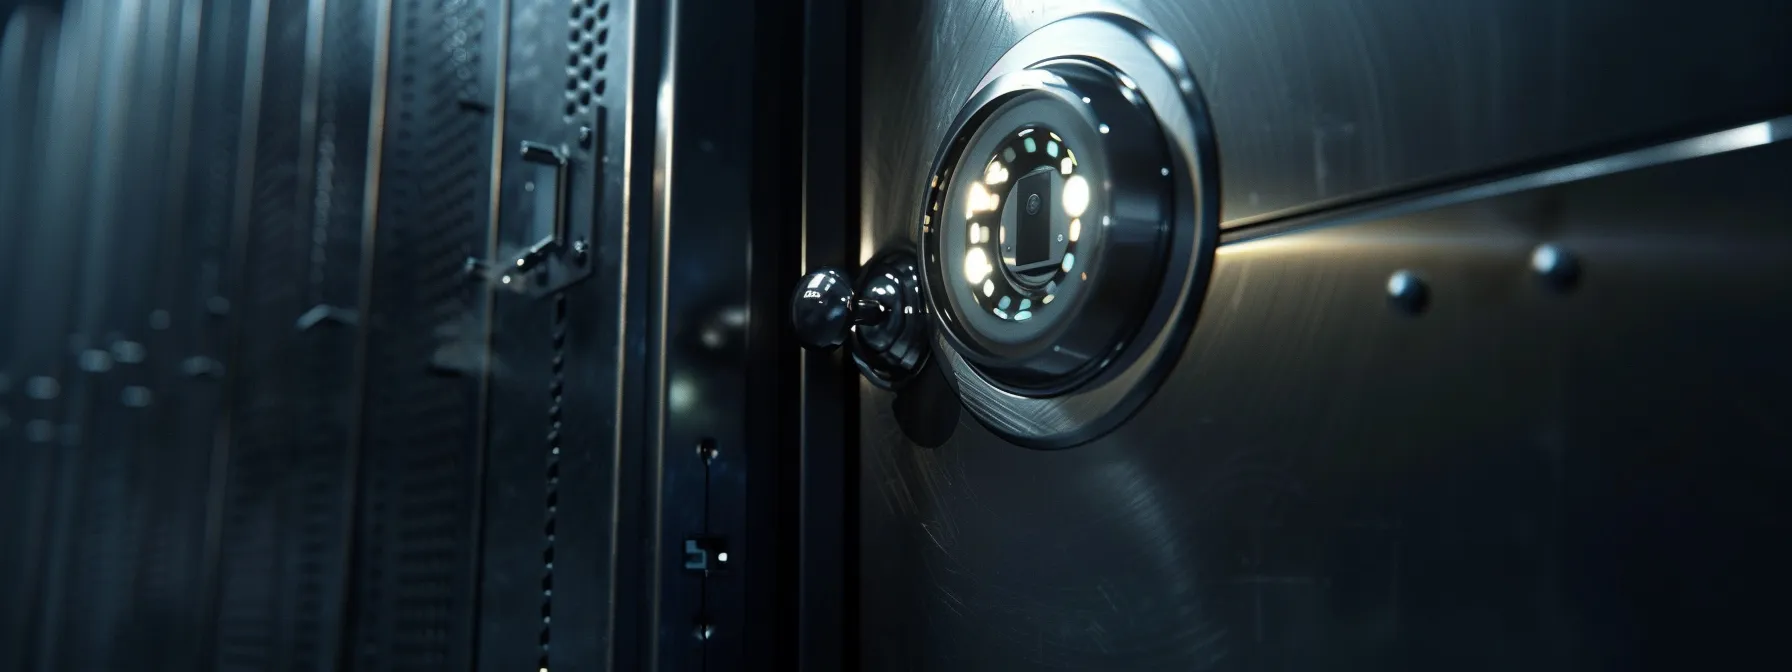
x,y
1068,230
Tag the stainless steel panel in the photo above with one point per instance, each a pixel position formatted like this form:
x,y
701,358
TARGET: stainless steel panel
x,y
1518,476
1317,102
1521,475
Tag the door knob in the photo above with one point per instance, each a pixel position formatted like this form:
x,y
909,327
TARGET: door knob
x,y
883,316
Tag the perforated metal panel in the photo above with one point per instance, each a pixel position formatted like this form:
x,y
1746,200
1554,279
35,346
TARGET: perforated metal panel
x,y
417,540
588,48
291,472
555,479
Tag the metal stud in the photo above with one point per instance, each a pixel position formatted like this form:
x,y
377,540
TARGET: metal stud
x,y
1407,291
1555,266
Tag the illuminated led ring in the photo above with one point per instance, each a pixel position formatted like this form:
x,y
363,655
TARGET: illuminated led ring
x,y
1027,150
1145,277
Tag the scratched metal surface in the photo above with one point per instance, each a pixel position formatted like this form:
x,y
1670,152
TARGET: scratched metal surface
x,y
1517,478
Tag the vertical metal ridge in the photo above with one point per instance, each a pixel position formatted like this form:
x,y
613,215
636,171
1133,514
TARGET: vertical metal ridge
x,y
661,251
237,270
626,253
191,25
634,469
357,428
181,139
120,31
310,95
482,423
827,385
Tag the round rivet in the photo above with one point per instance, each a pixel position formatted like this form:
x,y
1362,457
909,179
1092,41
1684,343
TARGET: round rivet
x,y
1554,265
585,135
1407,291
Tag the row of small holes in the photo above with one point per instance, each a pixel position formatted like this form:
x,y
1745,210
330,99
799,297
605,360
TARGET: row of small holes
x,y
590,33
556,387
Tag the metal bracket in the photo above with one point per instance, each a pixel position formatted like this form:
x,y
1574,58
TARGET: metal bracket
x,y
558,256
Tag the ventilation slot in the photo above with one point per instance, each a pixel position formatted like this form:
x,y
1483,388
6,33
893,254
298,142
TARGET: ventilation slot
x,y
587,53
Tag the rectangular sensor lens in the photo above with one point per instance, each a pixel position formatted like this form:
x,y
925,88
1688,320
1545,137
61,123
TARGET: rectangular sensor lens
x,y
1035,200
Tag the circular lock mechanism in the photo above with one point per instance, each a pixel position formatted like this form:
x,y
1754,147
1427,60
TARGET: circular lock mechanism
x,y
1068,229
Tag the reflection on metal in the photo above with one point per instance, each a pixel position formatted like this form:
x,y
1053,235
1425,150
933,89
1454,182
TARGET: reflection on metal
x,y
1043,355
1778,129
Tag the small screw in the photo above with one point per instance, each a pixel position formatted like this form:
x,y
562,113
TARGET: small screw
x,y
585,135
704,631
1407,291
1555,265
706,450
581,252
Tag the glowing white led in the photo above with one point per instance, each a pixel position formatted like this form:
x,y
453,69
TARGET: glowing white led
x,y
1076,195
1069,261
1076,229
1048,298
995,174
1051,148
1030,145
976,265
989,288
1104,129
1066,165
1023,316
977,199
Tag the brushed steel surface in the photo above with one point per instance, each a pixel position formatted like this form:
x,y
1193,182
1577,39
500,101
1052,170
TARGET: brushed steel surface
x,y
1320,101
1523,475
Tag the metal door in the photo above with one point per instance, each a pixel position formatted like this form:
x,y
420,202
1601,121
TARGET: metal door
x,y
1482,369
